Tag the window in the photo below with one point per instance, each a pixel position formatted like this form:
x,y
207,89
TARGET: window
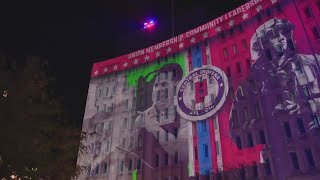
x,y
105,167
166,113
176,157
97,169
255,169
211,98
125,122
290,45
235,49
267,166
262,137
131,142
114,90
217,147
228,71
139,164
250,140
158,96
107,146
166,135
315,32
104,108
231,93
175,111
248,61
165,75
109,126
158,115
166,93
193,105
165,159
309,156
88,170
298,67
238,66
287,129
130,165
210,79
195,152
268,12
191,85
106,91
315,120
126,104
252,85
294,160
205,150
307,12
268,54
174,73
156,160
215,123
140,141
97,109
244,43
245,114
175,132
279,99
241,91
242,173
121,165
99,93
204,125
257,110
225,52
238,142
176,178
157,134
123,144
231,31
301,128
111,108
234,117
306,92
174,90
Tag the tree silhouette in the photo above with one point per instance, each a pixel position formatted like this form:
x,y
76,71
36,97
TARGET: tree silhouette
x,y
37,139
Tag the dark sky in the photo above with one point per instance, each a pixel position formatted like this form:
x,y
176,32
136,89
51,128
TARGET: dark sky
x,y
74,34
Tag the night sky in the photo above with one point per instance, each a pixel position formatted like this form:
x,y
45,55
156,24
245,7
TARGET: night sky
x,y
72,35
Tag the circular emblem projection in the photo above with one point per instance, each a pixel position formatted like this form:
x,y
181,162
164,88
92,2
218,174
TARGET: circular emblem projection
x,y
201,93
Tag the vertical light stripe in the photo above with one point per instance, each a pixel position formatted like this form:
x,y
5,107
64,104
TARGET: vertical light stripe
x,y
190,149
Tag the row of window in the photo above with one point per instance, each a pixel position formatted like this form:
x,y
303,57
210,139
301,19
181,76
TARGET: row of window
x,y
299,124
239,68
308,155
166,134
165,159
128,142
235,48
165,75
245,114
250,141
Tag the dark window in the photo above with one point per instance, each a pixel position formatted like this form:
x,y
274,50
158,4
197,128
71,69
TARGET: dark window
x,y
174,73
89,170
315,32
250,140
176,157
165,159
318,4
298,67
257,110
268,54
307,12
234,117
195,152
176,178
290,45
105,167
262,137
287,129
225,52
238,142
315,120
231,31
306,92
300,125
248,61
97,169
210,79
228,71
244,43
156,161
242,173
268,12
139,164
204,126
217,147
294,160
309,156
235,49
267,166
205,150
259,17
166,136
175,132
238,65
130,165
240,27
255,169
222,35
252,85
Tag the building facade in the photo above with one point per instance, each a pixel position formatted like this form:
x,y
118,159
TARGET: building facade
x,y
235,98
